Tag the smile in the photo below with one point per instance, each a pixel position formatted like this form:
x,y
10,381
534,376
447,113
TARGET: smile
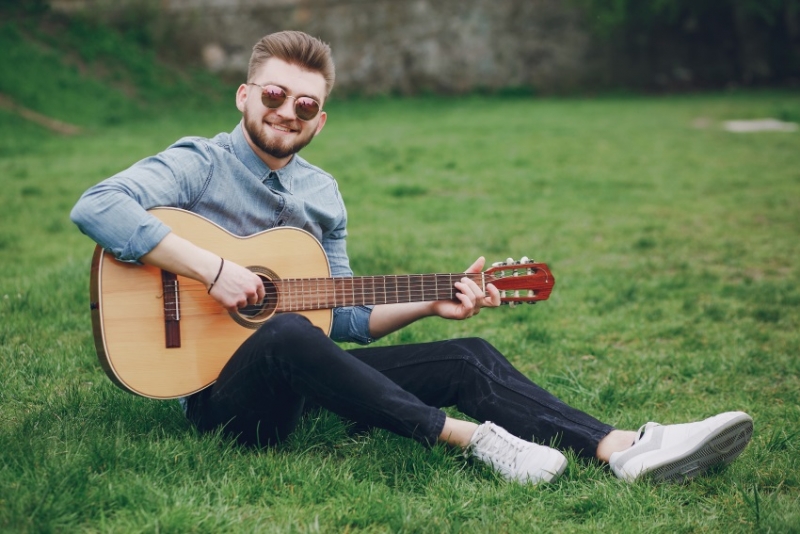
x,y
280,128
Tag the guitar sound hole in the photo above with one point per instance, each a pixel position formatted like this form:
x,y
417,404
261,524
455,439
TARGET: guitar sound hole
x,y
266,306
252,310
253,315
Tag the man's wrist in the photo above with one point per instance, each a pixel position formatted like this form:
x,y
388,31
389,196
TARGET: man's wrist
x,y
216,278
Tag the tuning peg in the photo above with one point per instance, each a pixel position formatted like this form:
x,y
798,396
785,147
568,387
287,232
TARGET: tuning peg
x,y
529,270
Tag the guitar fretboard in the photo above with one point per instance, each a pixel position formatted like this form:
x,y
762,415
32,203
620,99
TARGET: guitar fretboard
x,y
301,294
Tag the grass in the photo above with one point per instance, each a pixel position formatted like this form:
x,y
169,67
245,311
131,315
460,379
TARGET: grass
x,y
677,296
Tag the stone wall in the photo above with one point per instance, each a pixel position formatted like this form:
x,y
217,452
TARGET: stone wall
x,y
388,46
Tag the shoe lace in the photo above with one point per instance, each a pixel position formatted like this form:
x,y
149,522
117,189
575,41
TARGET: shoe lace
x,y
501,449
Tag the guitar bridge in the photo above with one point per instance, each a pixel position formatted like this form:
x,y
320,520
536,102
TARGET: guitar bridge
x,y
172,310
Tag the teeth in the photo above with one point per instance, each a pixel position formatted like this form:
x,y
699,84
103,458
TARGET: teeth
x,y
281,128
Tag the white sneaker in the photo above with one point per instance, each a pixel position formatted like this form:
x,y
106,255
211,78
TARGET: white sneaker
x,y
515,458
681,452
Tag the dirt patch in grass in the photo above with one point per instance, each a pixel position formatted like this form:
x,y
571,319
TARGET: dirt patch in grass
x,y
51,124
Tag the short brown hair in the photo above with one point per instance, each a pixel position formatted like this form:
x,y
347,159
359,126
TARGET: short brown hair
x,y
296,48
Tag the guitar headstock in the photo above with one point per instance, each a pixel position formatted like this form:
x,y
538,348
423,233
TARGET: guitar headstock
x,y
521,281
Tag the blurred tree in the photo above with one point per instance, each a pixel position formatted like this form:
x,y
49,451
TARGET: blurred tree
x,y
698,42
25,6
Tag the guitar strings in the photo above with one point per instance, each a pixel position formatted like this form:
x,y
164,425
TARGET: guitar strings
x,y
407,283
328,293
325,293
314,299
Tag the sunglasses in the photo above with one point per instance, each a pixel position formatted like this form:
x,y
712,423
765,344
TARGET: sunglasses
x,y
273,97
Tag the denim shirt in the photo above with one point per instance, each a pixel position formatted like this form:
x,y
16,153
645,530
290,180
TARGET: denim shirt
x,y
223,180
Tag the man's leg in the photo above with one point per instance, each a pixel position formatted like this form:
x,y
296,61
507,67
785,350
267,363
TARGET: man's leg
x,y
260,393
473,376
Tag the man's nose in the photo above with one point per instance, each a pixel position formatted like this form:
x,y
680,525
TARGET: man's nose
x,y
286,109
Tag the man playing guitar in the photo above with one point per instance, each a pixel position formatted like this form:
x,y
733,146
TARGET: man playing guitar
x,y
251,180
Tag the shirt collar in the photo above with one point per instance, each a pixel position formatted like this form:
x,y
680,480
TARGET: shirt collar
x,y
286,173
256,165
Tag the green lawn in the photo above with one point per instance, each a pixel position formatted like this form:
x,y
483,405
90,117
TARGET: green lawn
x,y
675,251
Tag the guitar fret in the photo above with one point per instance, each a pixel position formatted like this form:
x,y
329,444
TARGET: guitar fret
x,y
387,288
351,284
315,282
437,291
368,286
343,291
339,292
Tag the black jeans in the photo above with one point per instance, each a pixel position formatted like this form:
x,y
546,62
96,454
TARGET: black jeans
x,y
261,392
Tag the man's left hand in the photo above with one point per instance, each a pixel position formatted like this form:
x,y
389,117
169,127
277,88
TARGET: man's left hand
x,y
470,297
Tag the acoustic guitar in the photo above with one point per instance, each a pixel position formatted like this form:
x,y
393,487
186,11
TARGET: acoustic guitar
x,y
162,336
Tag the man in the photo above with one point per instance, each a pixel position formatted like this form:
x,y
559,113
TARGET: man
x,y
253,179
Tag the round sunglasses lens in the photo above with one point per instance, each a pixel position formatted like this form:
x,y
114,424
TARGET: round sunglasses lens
x,y
273,97
306,108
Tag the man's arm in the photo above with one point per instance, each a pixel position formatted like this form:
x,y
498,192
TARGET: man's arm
x,y
114,214
235,286
387,318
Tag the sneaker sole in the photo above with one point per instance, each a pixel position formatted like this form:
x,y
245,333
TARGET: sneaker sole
x,y
719,448
558,472
550,476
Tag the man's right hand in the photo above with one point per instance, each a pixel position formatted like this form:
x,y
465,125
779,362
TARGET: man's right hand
x,y
237,287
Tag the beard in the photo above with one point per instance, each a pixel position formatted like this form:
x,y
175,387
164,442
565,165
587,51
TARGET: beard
x,y
276,146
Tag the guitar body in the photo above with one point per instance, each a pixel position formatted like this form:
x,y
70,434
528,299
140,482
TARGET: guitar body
x,y
128,307
162,336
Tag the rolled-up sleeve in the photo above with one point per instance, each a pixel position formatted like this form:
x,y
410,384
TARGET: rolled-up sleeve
x,y
352,324
114,212
129,234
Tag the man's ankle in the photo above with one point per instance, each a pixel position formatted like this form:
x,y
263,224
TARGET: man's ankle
x,y
615,441
457,433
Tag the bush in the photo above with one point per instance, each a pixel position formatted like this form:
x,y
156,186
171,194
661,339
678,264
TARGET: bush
x,y
691,43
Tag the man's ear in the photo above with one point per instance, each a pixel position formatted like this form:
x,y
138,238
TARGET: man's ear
x,y
241,97
323,118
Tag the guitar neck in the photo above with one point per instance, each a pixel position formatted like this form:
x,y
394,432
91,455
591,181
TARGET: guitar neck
x,y
303,294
